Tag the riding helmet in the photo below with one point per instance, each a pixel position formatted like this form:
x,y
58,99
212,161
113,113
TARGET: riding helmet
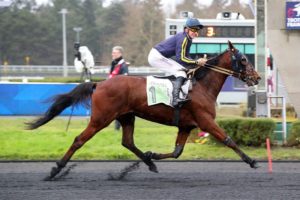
x,y
193,23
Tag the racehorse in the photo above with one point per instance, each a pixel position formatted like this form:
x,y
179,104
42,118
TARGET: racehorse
x,y
124,97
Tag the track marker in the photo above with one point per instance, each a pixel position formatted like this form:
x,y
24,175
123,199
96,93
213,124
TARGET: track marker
x,y
269,155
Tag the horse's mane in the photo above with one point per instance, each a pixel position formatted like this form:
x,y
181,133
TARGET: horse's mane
x,y
202,72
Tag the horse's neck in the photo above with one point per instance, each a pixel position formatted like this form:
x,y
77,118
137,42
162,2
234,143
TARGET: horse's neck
x,y
213,83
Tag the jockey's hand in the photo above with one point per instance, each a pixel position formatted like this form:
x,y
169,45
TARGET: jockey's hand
x,y
202,61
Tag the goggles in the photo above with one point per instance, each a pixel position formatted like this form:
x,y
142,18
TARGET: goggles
x,y
194,30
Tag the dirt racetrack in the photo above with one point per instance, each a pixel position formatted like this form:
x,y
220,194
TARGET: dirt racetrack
x,y
176,180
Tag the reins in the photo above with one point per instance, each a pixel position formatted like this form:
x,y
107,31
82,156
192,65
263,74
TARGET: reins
x,y
215,68
223,70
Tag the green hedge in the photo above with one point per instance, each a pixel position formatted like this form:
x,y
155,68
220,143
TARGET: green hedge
x,y
294,136
249,132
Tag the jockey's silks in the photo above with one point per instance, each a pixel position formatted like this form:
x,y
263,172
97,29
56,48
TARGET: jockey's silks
x,y
179,46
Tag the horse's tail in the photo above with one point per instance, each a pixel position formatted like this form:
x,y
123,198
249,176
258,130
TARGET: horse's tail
x,y
80,94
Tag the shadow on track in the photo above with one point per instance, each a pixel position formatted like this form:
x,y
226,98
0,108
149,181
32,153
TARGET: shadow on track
x,y
62,175
124,172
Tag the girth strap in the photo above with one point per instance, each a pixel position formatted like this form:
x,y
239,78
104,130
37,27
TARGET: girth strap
x,y
176,116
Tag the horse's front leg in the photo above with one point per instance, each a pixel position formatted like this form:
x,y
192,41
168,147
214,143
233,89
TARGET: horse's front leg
x,y
211,127
230,143
179,146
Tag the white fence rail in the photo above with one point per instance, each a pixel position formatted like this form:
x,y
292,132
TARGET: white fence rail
x,y
54,70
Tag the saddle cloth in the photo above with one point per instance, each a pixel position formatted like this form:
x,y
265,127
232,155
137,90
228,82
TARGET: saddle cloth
x,y
159,90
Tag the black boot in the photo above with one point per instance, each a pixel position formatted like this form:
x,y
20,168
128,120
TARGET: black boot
x,y
177,102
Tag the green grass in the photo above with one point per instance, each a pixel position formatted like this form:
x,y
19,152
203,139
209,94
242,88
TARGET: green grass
x,y
51,141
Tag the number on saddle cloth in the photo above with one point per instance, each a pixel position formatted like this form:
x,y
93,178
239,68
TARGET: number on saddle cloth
x,y
159,90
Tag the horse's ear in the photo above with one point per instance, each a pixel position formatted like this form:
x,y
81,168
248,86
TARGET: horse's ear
x,y
230,46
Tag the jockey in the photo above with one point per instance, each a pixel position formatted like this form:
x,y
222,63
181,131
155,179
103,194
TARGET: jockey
x,y
177,46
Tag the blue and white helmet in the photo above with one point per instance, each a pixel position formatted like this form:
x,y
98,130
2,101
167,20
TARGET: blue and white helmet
x,y
193,23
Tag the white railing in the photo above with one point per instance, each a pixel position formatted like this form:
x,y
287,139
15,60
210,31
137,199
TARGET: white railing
x,y
23,78
48,70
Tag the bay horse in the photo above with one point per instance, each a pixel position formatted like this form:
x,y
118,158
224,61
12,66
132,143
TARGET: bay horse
x,y
124,97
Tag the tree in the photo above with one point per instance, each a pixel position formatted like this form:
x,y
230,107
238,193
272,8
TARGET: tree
x,y
110,23
211,11
17,39
137,25
89,15
191,6
152,30
37,32
128,34
143,28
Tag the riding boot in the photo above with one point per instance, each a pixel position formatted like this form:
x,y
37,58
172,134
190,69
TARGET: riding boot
x,y
177,101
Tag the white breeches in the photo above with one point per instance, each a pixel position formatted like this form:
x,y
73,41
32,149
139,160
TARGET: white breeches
x,y
164,64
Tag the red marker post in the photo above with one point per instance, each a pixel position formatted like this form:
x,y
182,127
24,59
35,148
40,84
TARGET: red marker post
x,y
269,155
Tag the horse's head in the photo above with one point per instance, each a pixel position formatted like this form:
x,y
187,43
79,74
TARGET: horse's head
x,y
242,67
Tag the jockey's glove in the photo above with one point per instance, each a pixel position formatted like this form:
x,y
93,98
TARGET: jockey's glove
x,y
201,61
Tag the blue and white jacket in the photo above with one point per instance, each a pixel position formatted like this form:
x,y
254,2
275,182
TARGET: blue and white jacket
x,y
178,46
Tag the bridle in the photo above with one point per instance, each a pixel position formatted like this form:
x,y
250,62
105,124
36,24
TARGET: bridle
x,y
238,63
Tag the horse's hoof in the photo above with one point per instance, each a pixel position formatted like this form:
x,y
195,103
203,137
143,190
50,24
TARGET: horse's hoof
x,y
55,171
254,164
153,168
148,155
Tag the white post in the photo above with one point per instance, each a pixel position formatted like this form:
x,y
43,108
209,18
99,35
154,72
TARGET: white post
x,y
65,64
283,116
269,103
250,3
284,129
260,55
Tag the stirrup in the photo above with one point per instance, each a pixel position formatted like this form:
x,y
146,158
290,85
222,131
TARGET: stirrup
x,y
179,102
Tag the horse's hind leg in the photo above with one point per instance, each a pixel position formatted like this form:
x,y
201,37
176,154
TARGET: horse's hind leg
x,y
127,122
79,141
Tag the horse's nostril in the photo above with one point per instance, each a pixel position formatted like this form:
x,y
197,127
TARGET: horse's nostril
x,y
258,78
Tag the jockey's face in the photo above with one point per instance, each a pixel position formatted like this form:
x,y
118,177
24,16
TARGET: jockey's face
x,y
115,54
192,33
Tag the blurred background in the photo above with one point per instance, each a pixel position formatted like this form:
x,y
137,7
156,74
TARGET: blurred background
x,y
31,31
